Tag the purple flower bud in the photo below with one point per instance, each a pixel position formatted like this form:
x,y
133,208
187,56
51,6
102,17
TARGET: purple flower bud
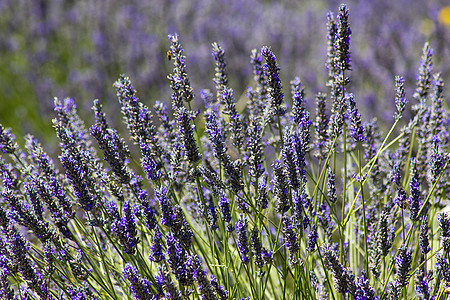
x,y
290,238
438,160
217,138
257,248
263,198
363,289
401,198
443,266
422,285
221,292
293,160
298,99
236,124
137,116
18,248
151,167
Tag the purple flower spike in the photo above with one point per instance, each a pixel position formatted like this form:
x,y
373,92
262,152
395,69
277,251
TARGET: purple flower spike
x,y
403,261
400,100
424,76
242,241
179,81
7,141
357,129
280,188
140,287
124,227
272,70
290,238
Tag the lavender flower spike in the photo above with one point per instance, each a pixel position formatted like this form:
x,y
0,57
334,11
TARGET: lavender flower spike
x,y
179,261
280,188
321,126
424,76
18,248
344,280
292,161
51,180
403,261
187,136
424,243
331,49
400,100
140,287
298,99
444,225
7,141
113,146
221,78
204,286
168,215
271,70
166,283
357,129
342,40
124,227
257,248
290,238
221,292
415,197
156,250
179,81
331,184
242,241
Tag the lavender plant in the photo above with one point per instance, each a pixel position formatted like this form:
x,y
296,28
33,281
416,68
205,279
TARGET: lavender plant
x,y
254,202
58,48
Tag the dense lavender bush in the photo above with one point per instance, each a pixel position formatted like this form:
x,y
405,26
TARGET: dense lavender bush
x,y
58,48
264,201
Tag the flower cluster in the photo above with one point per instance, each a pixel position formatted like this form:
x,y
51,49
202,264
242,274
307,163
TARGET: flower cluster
x,y
243,200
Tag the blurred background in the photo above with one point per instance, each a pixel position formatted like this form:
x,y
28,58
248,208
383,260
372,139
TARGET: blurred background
x,y
78,48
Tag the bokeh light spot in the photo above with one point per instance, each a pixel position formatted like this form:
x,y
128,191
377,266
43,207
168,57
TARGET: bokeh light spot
x,y
444,15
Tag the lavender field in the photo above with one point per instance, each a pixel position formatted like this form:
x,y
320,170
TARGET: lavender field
x,y
235,150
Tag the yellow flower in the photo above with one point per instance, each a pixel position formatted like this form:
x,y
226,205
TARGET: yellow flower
x,y
444,15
